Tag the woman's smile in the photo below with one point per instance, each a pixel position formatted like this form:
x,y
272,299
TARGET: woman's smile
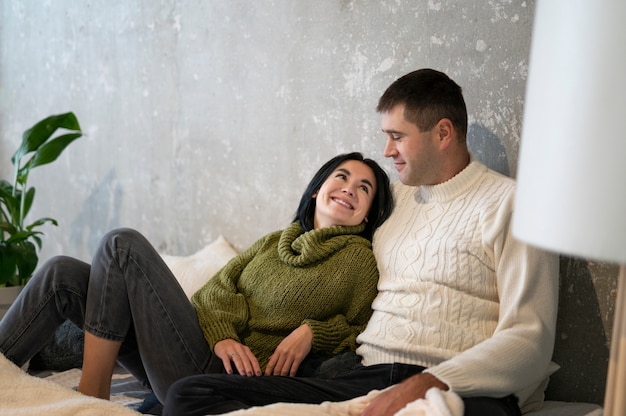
x,y
343,202
346,196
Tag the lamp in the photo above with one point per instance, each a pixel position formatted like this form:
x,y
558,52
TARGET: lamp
x,y
571,195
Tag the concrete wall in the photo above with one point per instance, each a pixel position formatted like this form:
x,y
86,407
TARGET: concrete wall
x,y
209,117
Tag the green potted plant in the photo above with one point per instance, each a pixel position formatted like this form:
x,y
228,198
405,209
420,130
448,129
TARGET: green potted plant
x,y
19,242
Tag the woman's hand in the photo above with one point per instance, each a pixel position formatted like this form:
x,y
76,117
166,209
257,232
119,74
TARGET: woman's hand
x,y
231,351
290,352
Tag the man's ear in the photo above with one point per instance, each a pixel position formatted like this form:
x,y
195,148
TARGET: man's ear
x,y
445,131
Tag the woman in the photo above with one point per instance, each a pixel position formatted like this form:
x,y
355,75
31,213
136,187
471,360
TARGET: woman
x,y
296,295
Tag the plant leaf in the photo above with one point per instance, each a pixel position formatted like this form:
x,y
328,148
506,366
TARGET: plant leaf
x,y
42,221
28,201
37,240
8,202
34,137
18,253
7,227
7,264
26,260
12,206
5,185
6,191
20,236
50,151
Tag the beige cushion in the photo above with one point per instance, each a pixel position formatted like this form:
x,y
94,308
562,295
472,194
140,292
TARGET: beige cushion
x,y
532,398
554,408
195,270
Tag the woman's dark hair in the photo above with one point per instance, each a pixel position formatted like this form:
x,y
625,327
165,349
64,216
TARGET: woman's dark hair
x,y
382,202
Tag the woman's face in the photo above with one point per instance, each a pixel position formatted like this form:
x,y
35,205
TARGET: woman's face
x,y
346,196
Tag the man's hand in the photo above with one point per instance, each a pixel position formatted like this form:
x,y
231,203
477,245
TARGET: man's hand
x,y
290,352
231,351
395,398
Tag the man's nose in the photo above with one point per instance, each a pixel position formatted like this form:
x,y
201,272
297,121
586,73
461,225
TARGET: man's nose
x,y
390,148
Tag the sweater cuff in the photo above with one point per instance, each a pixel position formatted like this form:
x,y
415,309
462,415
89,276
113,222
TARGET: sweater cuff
x,y
216,333
327,339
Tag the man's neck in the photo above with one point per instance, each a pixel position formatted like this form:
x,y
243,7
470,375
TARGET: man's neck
x,y
455,164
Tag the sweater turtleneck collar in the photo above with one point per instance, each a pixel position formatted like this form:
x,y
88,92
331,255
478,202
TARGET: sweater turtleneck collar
x,y
299,248
455,186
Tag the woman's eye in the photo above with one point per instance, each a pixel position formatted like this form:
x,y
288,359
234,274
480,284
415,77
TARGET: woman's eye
x,y
341,176
366,189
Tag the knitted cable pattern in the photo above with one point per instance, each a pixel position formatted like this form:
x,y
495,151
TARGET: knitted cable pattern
x,y
457,293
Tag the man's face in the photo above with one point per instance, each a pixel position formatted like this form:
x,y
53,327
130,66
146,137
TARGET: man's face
x,y
415,153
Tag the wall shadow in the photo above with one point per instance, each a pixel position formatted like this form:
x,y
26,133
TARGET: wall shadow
x,y
586,303
488,148
100,213
582,344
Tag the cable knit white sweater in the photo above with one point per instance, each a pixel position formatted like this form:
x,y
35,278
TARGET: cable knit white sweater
x,y
458,294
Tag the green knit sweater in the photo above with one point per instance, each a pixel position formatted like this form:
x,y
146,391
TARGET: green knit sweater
x,y
325,278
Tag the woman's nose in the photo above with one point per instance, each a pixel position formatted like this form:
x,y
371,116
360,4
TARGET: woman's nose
x,y
348,190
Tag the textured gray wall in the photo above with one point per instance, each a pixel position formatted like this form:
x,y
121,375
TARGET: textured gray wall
x,y
209,117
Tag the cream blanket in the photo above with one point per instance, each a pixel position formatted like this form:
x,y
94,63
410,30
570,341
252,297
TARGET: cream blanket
x,y
436,403
22,394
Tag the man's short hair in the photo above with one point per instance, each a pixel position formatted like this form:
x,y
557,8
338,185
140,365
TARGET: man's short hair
x,y
428,96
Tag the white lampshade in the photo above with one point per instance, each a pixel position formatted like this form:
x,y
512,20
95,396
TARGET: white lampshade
x,y
571,195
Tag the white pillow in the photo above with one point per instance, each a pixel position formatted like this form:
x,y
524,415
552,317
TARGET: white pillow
x,y
195,270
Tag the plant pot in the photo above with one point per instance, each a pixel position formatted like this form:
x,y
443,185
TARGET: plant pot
x,y
7,296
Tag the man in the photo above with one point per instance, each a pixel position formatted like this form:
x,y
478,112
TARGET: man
x,y
462,305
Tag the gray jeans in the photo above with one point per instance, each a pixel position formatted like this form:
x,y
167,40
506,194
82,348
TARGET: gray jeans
x,y
128,294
